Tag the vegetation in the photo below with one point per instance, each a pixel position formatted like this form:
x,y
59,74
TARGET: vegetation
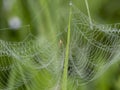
x,y
59,45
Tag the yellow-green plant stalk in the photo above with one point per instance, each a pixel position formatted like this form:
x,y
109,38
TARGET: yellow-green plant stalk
x,y
65,68
88,11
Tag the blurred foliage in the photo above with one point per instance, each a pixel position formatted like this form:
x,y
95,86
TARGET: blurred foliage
x,y
48,17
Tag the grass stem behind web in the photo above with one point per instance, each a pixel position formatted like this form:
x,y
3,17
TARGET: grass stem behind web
x,y
66,60
88,11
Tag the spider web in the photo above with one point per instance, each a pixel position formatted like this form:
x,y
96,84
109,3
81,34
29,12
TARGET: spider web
x,y
92,50
21,61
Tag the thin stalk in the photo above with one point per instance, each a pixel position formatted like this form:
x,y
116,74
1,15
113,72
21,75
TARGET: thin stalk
x,y
88,11
65,70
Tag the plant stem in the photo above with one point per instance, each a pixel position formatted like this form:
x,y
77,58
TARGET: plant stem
x,y
65,70
88,11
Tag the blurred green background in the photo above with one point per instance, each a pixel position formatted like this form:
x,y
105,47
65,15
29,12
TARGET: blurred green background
x,y
47,17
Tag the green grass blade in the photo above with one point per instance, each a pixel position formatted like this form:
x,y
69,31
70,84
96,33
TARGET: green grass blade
x,y
65,70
